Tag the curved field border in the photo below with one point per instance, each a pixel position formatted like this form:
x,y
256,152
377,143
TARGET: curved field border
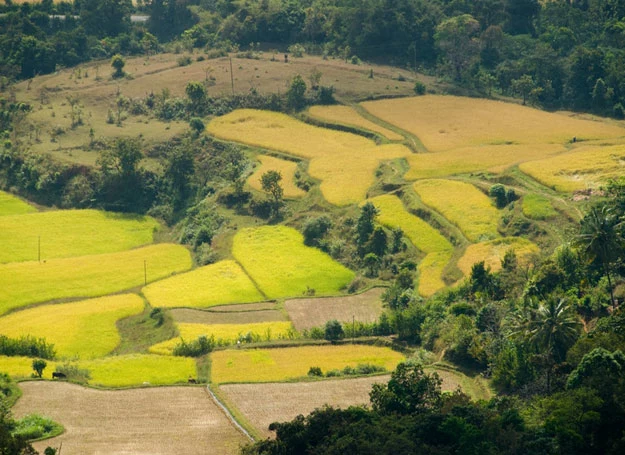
x,y
12,205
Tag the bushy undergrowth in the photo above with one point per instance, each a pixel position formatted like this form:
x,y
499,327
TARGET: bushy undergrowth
x,y
27,346
34,426
358,370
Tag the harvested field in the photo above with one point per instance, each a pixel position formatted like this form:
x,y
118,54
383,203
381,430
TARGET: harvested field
x,y
80,329
12,205
183,315
345,115
286,168
315,312
448,122
344,162
70,233
284,401
282,266
163,420
25,283
214,284
462,204
241,307
493,251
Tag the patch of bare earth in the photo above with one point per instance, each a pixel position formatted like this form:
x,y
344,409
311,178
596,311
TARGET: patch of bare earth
x,y
164,420
315,312
223,317
282,402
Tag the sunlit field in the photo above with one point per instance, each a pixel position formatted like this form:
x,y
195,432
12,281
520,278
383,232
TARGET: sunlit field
x,y
493,251
22,367
448,122
25,283
214,284
228,333
462,204
83,329
344,162
67,233
12,205
537,207
345,115
286,168
282,266
281,364
583,168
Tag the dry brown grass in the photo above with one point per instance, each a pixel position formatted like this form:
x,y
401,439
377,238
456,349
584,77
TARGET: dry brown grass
x,y
184,315
315,312
180,420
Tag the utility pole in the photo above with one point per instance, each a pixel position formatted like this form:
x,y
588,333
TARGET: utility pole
x,y
231,76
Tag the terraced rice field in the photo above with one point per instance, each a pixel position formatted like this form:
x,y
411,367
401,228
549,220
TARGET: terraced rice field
x,y
344,162
26,283
463,204
493,251
22,367
423,236
282,266
12,205
286,168
80,329
583,168
449,122
537,207
214,284
315,312
69,233
281,364
345,115
180,420
227,333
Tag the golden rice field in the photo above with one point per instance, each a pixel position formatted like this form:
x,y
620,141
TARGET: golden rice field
x,y
494,158
67,233
227,333
448,122
462,204
12,205
345,115
214,284
282,266
281,364
286,168
537,207
83,329
493,251
438,249
22,367
580,169
25,283
344,162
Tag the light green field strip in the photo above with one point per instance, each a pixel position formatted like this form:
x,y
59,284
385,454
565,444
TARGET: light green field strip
x,y
26,283
227,333
12,205
344,162
22,367
286,168
493,251
345,115
423,236
537,207
68,233
462,204
282,266
281,364
215,284
83,329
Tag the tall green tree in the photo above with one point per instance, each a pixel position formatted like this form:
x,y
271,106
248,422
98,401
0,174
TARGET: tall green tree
x,y
105,17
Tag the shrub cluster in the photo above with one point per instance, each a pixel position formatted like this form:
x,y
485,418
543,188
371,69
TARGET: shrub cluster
x,y
358,370
27,346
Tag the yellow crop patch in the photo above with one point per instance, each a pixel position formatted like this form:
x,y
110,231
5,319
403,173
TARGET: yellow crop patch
x,y
227,333
586,167
423,236
462,204
345,115
22,367
12,205
448,122
67,233
286,168
214,284
139,369
25,283
344,162
281,364
282,266
493,251
83,329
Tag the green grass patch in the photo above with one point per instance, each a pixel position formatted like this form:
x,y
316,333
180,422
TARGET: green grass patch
x,y
537,207
26,283
143,330
68,233
12,205
34,427
282,266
